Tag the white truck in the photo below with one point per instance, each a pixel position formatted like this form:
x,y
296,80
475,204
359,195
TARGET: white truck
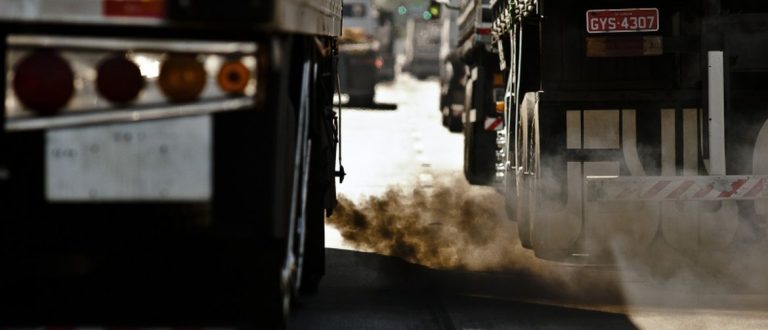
x,y
164,162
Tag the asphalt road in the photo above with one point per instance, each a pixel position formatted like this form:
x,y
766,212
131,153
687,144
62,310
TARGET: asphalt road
x,y
396,157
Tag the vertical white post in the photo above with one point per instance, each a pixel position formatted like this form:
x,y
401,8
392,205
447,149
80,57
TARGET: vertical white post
x,y
716,97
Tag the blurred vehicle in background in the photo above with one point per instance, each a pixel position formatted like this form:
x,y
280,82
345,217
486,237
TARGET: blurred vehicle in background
x,y
452,69
164,163
359,60
385,62
422,46
484,87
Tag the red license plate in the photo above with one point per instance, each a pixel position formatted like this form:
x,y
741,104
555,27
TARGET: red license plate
x,y
622,20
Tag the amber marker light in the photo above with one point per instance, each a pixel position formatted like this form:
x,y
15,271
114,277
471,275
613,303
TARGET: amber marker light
x,y
500,106
119,80
233,77
182,78
43,82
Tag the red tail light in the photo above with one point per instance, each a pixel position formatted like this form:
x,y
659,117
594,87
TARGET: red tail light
x,y
484,31
119,80
43,82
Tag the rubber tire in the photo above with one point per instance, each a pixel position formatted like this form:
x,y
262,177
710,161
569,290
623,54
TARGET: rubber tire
x,y
314,247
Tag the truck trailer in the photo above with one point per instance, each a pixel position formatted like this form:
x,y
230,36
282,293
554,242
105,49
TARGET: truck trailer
x,y
164,162
633,123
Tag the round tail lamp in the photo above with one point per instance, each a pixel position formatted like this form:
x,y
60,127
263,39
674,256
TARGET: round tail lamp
x,y
233,77
119,80
43,82
182,78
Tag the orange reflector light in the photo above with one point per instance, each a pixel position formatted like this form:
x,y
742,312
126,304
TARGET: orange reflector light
x,y
233,77
500,106
182,78
43,82
119,80
498,80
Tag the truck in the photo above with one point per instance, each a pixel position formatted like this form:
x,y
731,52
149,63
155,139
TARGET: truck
x,y
633,124
164,162
359,52
483,86
452,70
422,47
386,35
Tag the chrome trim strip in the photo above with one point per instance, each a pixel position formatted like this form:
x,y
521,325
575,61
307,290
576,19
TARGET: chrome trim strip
x,y
131,44
121,116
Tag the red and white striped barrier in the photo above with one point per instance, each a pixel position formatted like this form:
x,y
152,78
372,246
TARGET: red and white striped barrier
x,y
703,188
494,123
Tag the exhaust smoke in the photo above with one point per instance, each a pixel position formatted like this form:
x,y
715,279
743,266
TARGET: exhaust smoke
x,y
458,227
450,225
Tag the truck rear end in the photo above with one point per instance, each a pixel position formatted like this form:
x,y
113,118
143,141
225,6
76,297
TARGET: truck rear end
x,y
359,51
633,123
155,160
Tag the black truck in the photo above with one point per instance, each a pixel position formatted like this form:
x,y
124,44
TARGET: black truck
x,y
633,124
164,163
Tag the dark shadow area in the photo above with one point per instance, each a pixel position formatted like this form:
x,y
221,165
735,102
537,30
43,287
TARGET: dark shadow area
x,y
369,106
371,291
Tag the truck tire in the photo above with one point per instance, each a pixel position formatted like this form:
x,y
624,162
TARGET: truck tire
x,y
454,124
258,195
314,247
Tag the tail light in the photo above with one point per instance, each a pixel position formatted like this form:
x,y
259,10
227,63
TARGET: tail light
x,y
182,78
67,81
43,82
233,77
119,80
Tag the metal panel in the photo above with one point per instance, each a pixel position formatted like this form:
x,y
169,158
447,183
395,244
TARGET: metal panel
x,y
573,129
668,145
65,11
157,160
601,129
690,142
716,93
309,16
629,143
